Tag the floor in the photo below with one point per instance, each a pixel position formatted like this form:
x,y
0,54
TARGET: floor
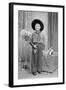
x,y
24,74
53,66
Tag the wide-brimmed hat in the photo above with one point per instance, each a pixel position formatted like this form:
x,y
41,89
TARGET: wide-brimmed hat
x,y
37,21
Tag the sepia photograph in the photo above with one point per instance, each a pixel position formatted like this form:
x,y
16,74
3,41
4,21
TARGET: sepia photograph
x,y
36,33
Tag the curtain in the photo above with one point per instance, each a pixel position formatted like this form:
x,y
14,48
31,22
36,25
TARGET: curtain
x,y
53,30
24,49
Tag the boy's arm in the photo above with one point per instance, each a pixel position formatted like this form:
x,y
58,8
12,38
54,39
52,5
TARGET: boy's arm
x,y
34,46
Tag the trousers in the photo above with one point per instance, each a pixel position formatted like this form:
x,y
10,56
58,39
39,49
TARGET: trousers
x,y
36,62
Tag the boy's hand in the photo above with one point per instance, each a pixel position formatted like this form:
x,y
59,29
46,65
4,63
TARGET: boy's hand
x,y
35,46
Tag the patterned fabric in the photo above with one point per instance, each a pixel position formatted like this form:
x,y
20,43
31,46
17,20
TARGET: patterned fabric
x,y
36,37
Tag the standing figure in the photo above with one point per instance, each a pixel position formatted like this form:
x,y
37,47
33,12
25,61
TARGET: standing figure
x,y
37,43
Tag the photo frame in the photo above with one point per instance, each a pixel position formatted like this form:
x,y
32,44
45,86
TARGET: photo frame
x,y
24,64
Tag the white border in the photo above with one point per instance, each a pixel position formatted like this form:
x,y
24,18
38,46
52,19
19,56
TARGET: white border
x,y
60,45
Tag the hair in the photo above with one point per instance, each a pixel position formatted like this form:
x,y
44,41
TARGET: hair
x,y
37,21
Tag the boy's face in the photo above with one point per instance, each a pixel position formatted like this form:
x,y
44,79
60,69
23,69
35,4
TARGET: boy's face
x,y
37,28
